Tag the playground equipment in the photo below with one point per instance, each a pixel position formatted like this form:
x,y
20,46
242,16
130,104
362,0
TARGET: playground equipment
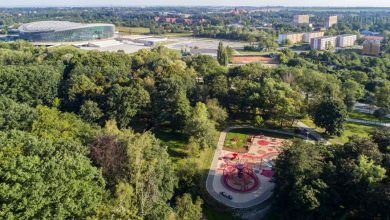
x,y
239,177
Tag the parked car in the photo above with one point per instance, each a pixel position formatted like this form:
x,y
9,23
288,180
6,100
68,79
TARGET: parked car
x,y
226,195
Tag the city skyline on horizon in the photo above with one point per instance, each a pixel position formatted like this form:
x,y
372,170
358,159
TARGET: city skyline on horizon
x,y
232,3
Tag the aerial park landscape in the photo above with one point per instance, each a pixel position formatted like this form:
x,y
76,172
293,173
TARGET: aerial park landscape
x,y
184,112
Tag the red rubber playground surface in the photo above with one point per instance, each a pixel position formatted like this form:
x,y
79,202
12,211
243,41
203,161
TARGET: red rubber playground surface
x,y
263,142
247,183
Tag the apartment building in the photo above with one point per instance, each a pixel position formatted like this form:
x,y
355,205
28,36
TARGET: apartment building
x,y
292,37
309,35
346,40
323,43
372,47
299,37
331,21
301,19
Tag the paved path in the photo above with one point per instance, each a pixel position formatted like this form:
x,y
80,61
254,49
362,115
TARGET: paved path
x,y
366,108
214,166
361,121
312,132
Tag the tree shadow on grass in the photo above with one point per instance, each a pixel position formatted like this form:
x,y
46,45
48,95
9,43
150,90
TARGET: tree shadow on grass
x,y
175,142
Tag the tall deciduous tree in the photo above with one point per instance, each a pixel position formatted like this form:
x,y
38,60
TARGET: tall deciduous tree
x,y
124,102
121,206
52,124
90,111
14,115
352,91
186,209
330,114
43,179
346,181
382,95
141,162
222,55
200,127
32,84
299,187
382,138
216,112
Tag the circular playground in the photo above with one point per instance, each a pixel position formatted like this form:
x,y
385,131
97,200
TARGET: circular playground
x,y
240,178
243,179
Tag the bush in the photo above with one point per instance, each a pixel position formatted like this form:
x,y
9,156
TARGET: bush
x,y
259,121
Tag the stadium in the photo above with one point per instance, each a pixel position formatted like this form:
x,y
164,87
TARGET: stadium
x,y
64,31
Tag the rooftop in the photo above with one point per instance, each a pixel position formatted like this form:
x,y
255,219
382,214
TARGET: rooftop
x,y
49,26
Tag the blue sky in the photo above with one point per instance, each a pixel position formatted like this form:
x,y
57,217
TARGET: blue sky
x,y
342,3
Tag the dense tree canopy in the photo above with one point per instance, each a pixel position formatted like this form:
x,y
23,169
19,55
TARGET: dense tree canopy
x,y
78,131
325,182
43,179
15,115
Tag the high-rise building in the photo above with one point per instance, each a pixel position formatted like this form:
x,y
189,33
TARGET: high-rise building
x,y
323,43
309,35
292,37
301,19
330,21
346,40
372,47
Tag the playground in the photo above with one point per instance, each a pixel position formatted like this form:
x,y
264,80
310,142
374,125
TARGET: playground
x,y
243,178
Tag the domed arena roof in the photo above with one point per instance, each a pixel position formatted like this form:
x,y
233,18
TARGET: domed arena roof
x,y
53,26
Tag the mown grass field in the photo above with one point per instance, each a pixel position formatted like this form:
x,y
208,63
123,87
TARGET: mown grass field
x,y
187,34
133,30
175,143
350,129
241,134
368,117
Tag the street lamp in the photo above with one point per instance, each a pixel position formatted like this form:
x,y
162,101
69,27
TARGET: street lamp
x,y
307,135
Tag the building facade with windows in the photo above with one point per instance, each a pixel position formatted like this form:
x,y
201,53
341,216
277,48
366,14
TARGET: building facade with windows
x,y
346,40
301,19
331,21
309,35
323,43
299,37
64,31
372,47
293,38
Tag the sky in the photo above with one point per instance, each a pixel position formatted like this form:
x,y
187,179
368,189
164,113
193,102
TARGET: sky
x,y
76,3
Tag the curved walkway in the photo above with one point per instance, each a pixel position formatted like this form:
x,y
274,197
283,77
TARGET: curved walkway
x,y
312,132
366,122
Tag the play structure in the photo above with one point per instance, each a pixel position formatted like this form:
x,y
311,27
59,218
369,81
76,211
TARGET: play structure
x,y
239,177
241,170
242,176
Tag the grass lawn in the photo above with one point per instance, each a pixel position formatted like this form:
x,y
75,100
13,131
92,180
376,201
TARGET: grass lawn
x,y
368,117
241,134
350,129
133,30
175,142
300,47
187,34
